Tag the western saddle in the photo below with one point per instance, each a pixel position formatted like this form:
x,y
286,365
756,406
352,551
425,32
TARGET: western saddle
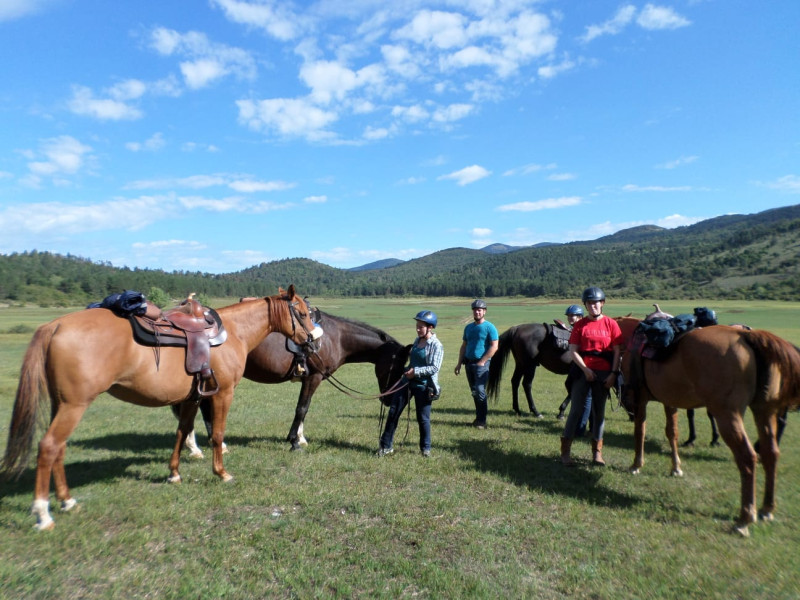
x,y
189,325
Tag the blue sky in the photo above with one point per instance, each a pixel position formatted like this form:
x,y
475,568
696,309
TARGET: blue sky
x,y
214,135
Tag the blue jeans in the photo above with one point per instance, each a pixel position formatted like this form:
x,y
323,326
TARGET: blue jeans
x,y
399,402
477,377
587,396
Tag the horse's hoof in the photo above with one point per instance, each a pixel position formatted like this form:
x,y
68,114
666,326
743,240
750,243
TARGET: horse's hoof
x,y
767,517
297,448
714,443
634,470
742,530
538,415
70,504
174,479
226,477
677,473
687,444
196,454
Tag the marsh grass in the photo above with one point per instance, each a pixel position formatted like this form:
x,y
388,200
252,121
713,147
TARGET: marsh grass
x,y
491,514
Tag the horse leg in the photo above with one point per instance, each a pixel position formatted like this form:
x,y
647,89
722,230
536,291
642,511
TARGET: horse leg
x,y
639,430
515,380
671,431
731,428
714,432
221,404
689,443
527,381
307,389
50,462
769,452
188,411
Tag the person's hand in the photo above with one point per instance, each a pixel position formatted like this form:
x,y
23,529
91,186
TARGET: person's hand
x,y
457,370
410,373
590,376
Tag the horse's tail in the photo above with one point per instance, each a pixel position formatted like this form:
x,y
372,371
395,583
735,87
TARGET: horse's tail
x,y
498,362
29,407
778,367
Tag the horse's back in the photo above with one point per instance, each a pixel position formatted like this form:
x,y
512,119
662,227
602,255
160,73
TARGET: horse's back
x,y
711,366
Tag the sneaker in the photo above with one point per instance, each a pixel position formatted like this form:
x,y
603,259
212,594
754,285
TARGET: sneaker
x,y
384,452
426,453
480,425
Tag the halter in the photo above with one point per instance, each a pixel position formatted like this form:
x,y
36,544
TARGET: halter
x,y
311,334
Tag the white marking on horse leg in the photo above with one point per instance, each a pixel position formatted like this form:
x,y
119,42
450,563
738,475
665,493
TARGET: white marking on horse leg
x,y
68,504
41,509
174,479
192,447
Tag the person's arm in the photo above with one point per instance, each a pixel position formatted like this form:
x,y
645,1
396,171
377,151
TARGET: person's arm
x,y
461,351
578,360
612,377
489,352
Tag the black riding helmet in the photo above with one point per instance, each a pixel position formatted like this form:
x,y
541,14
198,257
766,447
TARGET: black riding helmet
x,y
593,294
478,304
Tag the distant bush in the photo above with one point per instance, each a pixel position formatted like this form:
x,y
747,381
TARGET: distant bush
x,y
21,328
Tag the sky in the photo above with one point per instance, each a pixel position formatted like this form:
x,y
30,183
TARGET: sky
x,y
215,135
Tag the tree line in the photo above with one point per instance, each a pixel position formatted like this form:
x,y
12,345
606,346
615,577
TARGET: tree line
x,y
736,257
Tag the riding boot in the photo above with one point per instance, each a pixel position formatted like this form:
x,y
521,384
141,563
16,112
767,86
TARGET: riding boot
x,y
597,455
566,459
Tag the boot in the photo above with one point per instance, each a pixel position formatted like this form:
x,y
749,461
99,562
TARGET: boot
x,y
597,455
566,460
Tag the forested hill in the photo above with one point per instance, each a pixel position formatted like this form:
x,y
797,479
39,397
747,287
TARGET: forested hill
x,y
735,256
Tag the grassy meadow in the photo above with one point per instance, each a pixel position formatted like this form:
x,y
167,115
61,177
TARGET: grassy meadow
x,y
492,514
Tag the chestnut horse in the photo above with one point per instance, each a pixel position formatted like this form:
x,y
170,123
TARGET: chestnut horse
x,y
727,370
75,358
345,341
531,345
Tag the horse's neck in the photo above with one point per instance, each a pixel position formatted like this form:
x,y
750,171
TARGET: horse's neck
x,y
361,345
251,321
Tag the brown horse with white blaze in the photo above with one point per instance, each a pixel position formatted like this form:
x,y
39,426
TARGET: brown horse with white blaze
x,y
727,370
75,358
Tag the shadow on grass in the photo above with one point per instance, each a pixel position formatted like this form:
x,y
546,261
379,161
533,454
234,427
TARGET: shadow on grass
x,y
544,474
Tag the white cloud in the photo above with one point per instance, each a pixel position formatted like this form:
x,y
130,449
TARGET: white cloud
x,y
152,144
467,175
442,30
239,183
481,232
655,188
287,117
678,162
528,169
787,183
541,204
207,61
660,17
613,26
16,9
84,103
273,17
58,157
561,177
453,112
315,199
249,186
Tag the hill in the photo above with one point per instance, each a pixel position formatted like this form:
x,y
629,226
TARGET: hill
x,y
734,256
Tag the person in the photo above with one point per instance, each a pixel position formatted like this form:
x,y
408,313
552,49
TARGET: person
x,y
596,345
574,313
422,375
479,343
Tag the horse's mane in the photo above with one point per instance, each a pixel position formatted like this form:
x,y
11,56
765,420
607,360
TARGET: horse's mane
x,y
378,332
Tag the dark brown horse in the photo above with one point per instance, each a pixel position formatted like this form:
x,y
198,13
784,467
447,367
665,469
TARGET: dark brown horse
x,y
345,341
727,370
531,345
75,358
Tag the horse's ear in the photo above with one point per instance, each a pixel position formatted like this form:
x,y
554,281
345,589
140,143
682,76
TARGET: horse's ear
x,y
291,291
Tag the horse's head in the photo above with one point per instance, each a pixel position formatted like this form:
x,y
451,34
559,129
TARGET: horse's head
x,y
392,358
303,330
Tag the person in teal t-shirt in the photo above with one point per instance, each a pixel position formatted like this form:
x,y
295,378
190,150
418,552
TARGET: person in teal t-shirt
x,y
479,343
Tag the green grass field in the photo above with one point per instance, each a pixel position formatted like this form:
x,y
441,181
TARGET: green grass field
x,y
492,514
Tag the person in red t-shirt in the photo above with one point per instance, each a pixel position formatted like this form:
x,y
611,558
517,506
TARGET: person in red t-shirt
x,y
595,344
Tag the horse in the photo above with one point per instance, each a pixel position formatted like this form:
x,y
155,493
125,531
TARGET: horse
x,y
782,417
345,341
531,345
78,356
727,370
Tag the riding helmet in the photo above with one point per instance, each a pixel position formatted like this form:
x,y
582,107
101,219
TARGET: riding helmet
x,y
478,304
428,317
574,309
593,294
